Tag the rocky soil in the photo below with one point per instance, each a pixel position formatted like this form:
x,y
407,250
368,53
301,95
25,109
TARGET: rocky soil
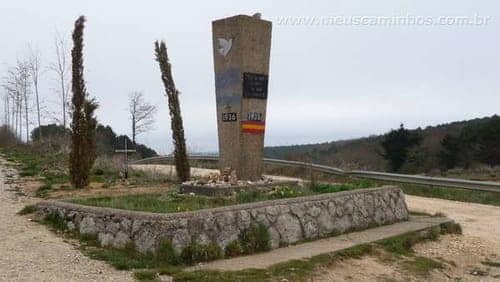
x,y
31,252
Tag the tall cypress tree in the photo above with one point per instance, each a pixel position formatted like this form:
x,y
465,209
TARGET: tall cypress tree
x,y
83,125
180,152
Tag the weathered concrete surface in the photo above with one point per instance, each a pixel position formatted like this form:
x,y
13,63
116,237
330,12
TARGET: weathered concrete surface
x,y
241,45
288,220
328,245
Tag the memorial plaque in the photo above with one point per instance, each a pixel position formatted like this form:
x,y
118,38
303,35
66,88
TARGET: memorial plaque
x,y
229,117
254,116
254,85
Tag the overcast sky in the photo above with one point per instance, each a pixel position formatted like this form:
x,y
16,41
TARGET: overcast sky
x,y
329,79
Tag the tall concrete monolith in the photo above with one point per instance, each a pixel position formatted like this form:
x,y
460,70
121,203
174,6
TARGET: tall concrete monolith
x,y
241,47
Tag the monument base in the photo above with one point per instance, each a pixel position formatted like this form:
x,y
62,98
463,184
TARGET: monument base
x,y
226,189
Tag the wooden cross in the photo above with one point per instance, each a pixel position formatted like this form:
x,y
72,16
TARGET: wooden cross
x,y
125,159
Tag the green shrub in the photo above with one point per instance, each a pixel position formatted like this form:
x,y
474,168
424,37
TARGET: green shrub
x,y
55,221
123,259
43,190
55,178
356,252
212,251
249,196
285,192
146,275
233,249
255,239
334,188
166,253
195,252
401,245
451,228
27,210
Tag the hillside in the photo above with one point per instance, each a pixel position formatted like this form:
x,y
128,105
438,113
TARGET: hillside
x,y
365,153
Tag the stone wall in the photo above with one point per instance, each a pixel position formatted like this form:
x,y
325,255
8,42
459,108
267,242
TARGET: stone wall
x,y
288,220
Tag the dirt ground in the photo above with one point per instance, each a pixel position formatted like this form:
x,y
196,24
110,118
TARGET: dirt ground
x,y
31,252
464,256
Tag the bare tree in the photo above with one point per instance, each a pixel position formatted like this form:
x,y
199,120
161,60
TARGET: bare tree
x,y
24,77
6,109
60,67
34,64
16,83
142,114
11,92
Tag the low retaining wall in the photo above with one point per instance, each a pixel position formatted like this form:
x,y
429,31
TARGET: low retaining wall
x,y
288,220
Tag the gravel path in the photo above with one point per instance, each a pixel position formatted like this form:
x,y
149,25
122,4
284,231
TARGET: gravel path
x,y
31,252
477,220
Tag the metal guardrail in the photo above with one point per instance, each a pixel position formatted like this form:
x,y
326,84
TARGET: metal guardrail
x,y
390,177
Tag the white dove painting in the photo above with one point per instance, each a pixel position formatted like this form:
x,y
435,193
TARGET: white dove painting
x,y
224,45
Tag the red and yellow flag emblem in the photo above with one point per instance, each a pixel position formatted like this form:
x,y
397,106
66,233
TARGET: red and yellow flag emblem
x,y
256,127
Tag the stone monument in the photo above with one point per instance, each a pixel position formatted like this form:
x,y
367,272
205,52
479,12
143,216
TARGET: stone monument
x,y
241,48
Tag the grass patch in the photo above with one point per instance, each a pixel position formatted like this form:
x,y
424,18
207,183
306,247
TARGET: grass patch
x,y
43,191
491,263
56,222
172,202
451,228
146,275
27,210
421,265
403,244
166,203
356,252
122,259
334,188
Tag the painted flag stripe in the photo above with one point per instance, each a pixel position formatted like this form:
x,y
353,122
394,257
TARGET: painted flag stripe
x,y
252,122
257,127
254,131
253,126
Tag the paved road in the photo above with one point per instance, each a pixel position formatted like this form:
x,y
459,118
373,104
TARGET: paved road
x,y
30,252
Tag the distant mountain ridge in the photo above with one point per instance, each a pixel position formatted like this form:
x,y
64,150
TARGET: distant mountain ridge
x,y
365,153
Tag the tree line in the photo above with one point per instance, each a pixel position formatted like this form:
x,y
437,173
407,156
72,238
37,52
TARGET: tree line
x,y
478,142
